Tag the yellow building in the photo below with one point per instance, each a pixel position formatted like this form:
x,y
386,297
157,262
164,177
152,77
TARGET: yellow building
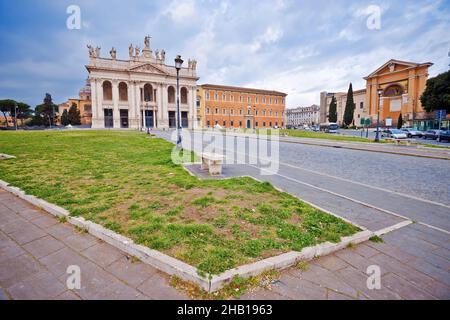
x,y
83,103
401,84
238,107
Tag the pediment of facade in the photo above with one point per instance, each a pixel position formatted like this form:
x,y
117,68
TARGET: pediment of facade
x,y
148,68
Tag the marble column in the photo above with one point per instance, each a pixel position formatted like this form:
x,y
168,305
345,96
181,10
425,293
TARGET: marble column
x,y
137,96
100,115
164,108
115,97
94,106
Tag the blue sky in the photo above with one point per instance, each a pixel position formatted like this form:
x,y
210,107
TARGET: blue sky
x,y
298,47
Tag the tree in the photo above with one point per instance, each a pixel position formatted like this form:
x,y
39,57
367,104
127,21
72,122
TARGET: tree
x,y
47,109
65,118
436,95
23,111
7,107
400,121
349,107
74,115
332,114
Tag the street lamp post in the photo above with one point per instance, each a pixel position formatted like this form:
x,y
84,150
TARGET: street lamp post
x,y
178,64
377,137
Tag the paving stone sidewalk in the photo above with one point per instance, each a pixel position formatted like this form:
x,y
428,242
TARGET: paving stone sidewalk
x,y
414,262
36,250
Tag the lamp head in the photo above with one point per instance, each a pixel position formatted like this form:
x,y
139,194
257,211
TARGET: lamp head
x,y
178,62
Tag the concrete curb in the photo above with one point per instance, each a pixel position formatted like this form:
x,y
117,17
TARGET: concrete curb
x,y
179,268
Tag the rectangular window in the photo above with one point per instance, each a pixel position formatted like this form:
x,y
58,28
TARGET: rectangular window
x,y
240,98
231,97
224,111
256,99
248,99
216,110
208,123
224,123
232,123
216,96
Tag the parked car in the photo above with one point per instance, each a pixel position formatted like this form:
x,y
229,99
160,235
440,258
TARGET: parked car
x,y
394,134
411,132
431,134
444,136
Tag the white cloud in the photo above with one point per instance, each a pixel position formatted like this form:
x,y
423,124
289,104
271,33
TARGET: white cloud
x,y
180,11
271,35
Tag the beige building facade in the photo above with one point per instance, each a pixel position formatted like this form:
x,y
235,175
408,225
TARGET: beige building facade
x,y
140,93
359,98
303,116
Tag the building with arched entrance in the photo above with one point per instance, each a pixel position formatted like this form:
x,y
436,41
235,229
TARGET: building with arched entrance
x,y
140,93
402,83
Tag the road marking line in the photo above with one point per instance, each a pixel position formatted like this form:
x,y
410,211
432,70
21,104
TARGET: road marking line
x,y
354,200
366,185
393,228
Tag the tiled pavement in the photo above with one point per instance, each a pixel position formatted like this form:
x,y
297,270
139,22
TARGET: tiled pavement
x,y
414,262
35,251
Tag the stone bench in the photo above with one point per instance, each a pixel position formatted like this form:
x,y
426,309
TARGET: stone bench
x,y
213,163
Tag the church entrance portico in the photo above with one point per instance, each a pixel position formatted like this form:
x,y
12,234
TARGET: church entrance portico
x,y
140,92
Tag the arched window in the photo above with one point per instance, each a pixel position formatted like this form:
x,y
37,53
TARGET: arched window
x,y
184,94
171,94
107,90
123,91
148,92
393,91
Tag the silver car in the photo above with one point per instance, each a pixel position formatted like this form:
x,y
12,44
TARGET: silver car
x,y
411,132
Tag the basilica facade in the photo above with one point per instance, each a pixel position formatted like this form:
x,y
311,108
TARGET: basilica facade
x,y
140,93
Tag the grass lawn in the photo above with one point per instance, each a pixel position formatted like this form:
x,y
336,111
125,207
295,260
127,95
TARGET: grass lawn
x,y
322,135
128,183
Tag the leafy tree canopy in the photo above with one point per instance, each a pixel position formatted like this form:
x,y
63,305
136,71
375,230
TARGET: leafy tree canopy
x,y
437,93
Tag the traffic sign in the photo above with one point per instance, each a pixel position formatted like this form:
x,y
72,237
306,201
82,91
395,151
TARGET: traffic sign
x,y
367,122
440,114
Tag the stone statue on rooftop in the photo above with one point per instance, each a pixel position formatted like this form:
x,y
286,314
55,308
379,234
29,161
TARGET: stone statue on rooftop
x,y
130,50
97,52
91,51
147,42
113,53
137,51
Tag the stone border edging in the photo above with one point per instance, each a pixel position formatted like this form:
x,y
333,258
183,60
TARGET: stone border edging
x,y
179,268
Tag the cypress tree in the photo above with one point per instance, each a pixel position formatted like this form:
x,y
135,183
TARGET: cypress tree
x,y
332,114
400,121
65,118
349,107
74,115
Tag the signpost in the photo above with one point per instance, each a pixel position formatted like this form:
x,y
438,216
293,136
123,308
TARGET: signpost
x,y
365,123
440,115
